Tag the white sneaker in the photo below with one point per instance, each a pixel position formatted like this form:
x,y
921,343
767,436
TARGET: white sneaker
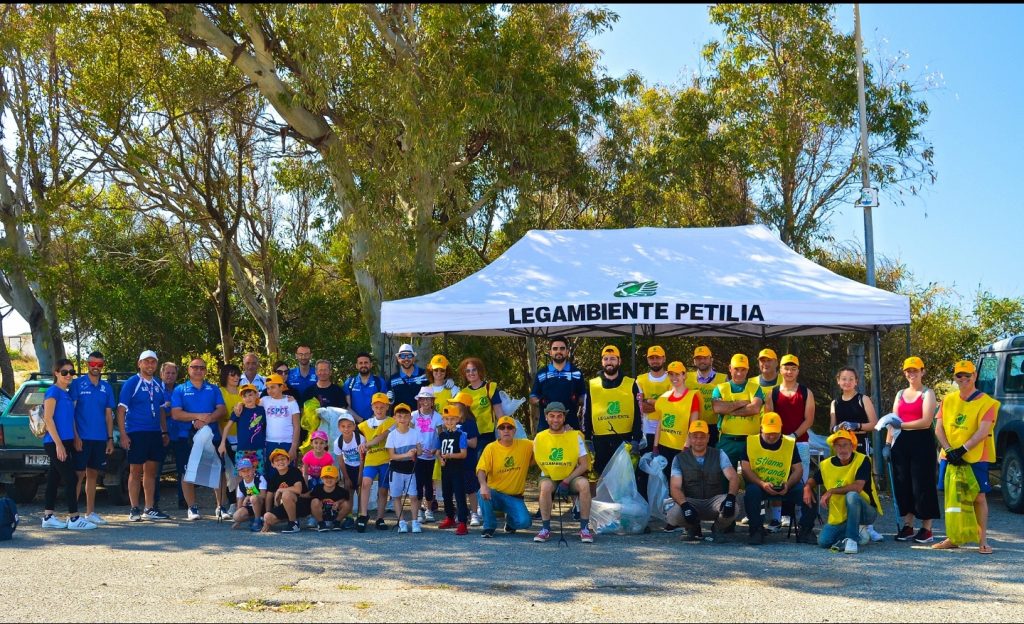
x,y
193,513
864,536
311,522
81,524
403,526
875,535
54,523
232,509
851,547
474,520
95,518
416,527
786,520
420,516
428,516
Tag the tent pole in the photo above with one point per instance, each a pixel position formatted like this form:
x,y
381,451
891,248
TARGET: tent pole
x,y
531,358
633,349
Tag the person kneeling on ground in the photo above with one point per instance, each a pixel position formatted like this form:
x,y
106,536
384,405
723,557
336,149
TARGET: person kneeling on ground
x,y
501,472
697,488
284,494
563,463
329,501
252,488
853,499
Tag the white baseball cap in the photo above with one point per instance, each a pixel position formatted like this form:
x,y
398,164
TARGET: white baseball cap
x,y
345,415
148,354
425,393
406,348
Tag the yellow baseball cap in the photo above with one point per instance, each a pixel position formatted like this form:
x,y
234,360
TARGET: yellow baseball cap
x,y
767,353
379,397
844,434
610,350
739,361
789,358
655,350
402,407
702,351
913,362
438,361
451,410
279,453
464,398
506,420
964,366
329,471
275,379
248,388
699,426
771,423
676,367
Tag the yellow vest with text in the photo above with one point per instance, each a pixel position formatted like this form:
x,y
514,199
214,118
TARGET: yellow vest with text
x,y
481,406
839,476
771,466
653,390
707,412
962,419
767,391
739,425
556,454
376,455
612,409
675,420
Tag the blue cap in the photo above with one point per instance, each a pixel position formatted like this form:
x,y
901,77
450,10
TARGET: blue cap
x,y
245,462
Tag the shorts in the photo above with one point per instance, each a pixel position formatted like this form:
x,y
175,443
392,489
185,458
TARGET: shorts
x,y
980,470
147,446
353,475
255,456
301,510
573,488
312,482
402,483
378,472
93,455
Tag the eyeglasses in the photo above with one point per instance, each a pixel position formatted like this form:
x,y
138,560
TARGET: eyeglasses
x,y
470,370
282,371
405,356
66,372
505,427
963,375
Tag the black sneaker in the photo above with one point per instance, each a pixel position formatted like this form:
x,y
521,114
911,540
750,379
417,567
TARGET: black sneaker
x,y
321,527
381,525
806,536
756,538
154,513
134,514
671,528
905,534
693,536
924,536
293,527
361,524
508,529
487,533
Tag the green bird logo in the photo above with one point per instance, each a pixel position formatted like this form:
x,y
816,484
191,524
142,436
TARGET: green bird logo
x,y
484,401
614,408
634,288
510,462
556,455
669,421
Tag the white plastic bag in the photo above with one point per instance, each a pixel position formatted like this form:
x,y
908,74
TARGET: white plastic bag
x,y
618,507
657,484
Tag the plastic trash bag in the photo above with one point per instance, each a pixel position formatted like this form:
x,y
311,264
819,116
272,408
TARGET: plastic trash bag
x,y
618,507
657,484
961,488
204,464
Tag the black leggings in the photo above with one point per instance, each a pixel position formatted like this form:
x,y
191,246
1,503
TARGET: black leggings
x,y
61,470
425,479
453,485
915,474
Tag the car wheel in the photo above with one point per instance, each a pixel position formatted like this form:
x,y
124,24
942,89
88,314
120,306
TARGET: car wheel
x,y
1012,473
25,489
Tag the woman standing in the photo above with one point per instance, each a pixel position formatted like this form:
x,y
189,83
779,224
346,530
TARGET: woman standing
x,y
913,456
854,412
441,382
59,417
486,404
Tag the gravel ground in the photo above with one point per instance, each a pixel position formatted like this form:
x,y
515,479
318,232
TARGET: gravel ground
x,y
179,571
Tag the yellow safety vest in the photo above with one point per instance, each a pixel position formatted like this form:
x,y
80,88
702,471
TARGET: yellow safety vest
x,y
962,419
612,409
442,398
376,455
739,425
675,421
557,454
707,412
481,406
653,390
767,390
839,476
771,466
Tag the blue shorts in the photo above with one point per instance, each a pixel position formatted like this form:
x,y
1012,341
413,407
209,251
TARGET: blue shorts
x,y
147,446
980,470
377,472
93,455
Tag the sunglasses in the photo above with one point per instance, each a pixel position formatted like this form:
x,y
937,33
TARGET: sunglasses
x,y
963,375
505,427
96,363
470,370
405,356
67,372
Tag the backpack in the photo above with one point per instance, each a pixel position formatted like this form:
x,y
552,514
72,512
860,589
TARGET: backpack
x,y
8,518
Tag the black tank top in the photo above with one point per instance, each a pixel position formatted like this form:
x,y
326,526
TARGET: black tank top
x,y
852,410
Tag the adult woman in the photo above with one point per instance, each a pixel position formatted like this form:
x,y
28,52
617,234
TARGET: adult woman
x,y
441,381
486,404
59,418
854,412
912,454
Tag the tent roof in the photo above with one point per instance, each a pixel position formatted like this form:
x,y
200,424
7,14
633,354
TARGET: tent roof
x,y
734,281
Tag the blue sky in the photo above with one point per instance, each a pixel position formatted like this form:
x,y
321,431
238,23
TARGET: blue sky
x,y
964,230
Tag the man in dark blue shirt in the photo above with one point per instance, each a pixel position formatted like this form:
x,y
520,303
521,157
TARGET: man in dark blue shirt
x,y
560,382
360,388
304,375
94,425
406,383
201,403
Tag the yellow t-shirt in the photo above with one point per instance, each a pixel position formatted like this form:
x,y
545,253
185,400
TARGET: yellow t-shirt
x,y
231,399
558,454
506,467
376,455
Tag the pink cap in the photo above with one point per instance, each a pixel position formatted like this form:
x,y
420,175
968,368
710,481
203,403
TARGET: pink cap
x,y
318,435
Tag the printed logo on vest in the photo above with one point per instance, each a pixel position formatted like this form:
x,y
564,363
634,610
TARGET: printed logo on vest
x,y
634,288
669,421
613,408
961,419
510,462
556,455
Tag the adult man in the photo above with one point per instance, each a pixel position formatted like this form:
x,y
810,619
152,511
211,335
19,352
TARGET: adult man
x,y
771,468
179,432
501,472
964,429
768,363
612,413
405,384
201,403
851,497
251,372
559,381
304,375
142,423
325,391
653,384
738,403
563,463
94,429
704,380
697,487
360,388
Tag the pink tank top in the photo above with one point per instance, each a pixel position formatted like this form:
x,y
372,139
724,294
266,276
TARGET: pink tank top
x,y
909,412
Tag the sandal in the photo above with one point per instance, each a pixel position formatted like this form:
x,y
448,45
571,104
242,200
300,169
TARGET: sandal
x,y
985,550
945,545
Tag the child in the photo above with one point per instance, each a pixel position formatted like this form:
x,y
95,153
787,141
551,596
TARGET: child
x,y
252,488
426,421
375,430
314,461
328,502
283,429
349,448
403,446
285,488
451,454
468,425
251,431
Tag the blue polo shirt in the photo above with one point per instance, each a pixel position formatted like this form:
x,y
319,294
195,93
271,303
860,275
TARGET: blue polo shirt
x,y
404,388
299,382
63,414
143,401
360,395
91,403
176,429
201,400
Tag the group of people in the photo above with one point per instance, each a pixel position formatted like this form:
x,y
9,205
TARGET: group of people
x,y
718,432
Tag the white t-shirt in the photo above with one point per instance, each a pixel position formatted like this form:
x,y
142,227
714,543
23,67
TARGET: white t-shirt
x,y
279,419
259,483
402,442
427,426
348,451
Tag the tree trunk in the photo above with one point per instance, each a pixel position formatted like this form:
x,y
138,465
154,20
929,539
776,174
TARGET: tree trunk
x,y
223,305
6,367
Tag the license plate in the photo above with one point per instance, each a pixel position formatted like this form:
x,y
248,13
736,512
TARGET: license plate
x,y
37,460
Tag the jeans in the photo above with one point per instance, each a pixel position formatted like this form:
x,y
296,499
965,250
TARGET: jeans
x,y
755,495
514,507
858,512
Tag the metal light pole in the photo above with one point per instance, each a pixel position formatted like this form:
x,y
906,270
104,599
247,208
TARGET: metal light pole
x,y
868,200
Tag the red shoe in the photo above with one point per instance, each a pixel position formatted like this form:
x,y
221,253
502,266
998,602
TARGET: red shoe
x,y
461,529
449,523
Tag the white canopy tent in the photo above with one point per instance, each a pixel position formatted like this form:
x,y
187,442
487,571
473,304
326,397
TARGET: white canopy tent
x,y
736,281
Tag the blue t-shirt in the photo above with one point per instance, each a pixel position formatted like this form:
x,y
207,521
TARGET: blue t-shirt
x,y
360,395
143,401
91,403
63,414
201,400
300,383
176,429
252,429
